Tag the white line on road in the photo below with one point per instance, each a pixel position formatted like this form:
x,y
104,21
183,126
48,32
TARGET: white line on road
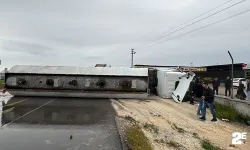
x,y
14,103
29,112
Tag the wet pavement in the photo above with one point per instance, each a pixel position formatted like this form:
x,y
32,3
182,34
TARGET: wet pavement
x,y
33,123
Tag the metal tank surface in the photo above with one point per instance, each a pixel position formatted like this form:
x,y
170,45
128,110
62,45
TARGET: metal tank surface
x,y
90,82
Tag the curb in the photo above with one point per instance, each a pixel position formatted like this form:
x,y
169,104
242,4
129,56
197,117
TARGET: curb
x,y
122,140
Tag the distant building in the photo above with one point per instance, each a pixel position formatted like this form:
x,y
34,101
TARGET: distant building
x,y
181,68
246,67
241,70
101,65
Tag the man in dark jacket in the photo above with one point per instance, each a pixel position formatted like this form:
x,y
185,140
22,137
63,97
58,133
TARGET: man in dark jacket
x,y
191,91
198,91
240,92
208,99
228,85
216,84
248,89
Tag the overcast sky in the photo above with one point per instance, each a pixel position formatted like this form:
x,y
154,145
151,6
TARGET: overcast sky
x,y
86,32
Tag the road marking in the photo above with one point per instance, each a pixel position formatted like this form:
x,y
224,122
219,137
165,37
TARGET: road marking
x,y
13,104
29,112
8,110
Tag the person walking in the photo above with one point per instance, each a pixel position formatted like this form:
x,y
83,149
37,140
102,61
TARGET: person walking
x,y
248,89
228,86
191,91
208,97
216,84
198,91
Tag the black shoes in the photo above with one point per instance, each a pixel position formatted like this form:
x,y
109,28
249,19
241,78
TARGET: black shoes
x,y
202,118
214,120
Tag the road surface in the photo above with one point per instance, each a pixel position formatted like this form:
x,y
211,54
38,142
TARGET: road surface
x,y
29,123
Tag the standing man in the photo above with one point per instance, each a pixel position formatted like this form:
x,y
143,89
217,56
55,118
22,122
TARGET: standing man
x,y
208,99
198,94
248,89
191,91
216,84
228,86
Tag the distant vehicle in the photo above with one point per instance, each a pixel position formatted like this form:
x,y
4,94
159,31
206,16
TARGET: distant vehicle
x,y
236,82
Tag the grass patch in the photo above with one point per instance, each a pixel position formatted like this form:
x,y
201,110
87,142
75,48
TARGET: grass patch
x,y
207,145
230,113
151,127
173,144
1,83
136,139
180,130
195,135
131,119
160,141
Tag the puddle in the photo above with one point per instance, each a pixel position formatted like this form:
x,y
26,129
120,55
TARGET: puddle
x,y
62,123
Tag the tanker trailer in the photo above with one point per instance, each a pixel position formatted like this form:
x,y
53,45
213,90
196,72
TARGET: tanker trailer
x,y
89,82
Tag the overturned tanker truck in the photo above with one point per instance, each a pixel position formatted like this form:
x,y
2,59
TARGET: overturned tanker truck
x,y
89,82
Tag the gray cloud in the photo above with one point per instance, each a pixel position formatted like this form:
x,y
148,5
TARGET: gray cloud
x,y
26,47
81,32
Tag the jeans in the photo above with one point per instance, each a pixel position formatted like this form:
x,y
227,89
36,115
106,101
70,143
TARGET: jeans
x,y
200,105
215,90
248,95
229,90
212,109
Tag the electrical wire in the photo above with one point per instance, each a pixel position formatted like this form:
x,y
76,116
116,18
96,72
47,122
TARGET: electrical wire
x,y
208,25
190,20
192,23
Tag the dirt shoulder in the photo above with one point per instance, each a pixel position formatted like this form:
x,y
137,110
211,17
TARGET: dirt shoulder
x,y
177,124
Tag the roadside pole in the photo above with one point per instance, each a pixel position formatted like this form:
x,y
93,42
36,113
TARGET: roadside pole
x,y
232,76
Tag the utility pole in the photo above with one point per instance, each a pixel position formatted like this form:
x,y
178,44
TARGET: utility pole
x,y
232,76
132,59
191,64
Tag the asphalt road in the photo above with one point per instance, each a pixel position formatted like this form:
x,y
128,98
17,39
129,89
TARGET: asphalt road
x,y
29,123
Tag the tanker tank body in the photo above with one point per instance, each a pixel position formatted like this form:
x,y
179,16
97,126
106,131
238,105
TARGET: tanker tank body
x,y
89,82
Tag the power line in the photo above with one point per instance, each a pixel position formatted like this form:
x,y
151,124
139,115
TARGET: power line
x,y
192,23
189,21
208,25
